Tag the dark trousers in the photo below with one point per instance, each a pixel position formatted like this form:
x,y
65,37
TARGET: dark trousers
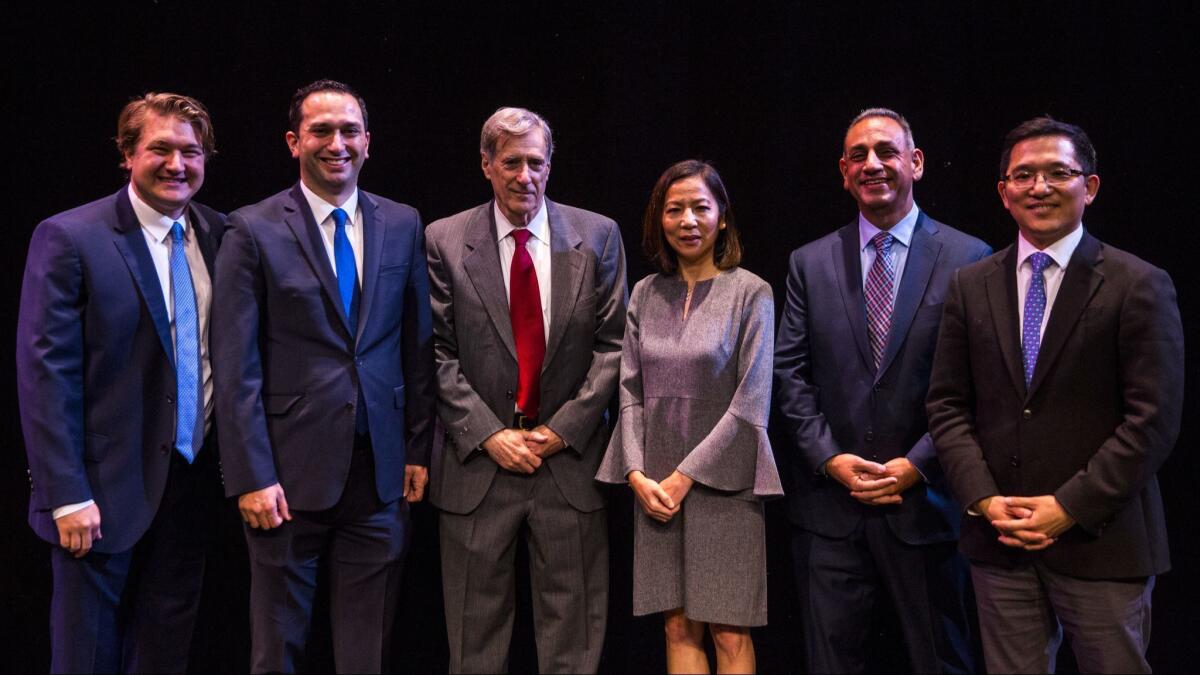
x,y
135,611
1023,612
568,560
839,581
364,542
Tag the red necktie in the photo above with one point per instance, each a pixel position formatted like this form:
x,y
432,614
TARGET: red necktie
x,y
525,312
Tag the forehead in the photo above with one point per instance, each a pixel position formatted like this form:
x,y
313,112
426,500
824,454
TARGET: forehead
x,y
874,130
167,129
531,144
1041,150
689,189
329,106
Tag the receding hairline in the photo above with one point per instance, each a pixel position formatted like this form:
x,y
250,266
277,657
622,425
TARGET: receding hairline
x,y
881,113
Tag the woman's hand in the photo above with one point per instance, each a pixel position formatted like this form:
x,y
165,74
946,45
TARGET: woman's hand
x,y
676,486
655,501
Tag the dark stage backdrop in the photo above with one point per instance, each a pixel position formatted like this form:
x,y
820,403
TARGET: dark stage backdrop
x,y
763,91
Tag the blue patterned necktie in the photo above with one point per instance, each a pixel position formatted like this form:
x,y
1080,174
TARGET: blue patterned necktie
x,y
345,268
187,348
880,281
1035,308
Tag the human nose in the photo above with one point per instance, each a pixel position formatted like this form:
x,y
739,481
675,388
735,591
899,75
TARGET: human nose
x,y
872,161
337,141
689,218
174,161
1041,184
523,174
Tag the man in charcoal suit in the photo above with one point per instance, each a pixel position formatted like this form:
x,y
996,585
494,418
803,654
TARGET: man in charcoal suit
x,y
868,502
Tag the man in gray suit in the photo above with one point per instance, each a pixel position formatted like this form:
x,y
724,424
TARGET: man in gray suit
x,y
529,311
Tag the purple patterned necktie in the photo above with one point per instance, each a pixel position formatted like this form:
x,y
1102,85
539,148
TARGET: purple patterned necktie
x,y
1035,308
880,280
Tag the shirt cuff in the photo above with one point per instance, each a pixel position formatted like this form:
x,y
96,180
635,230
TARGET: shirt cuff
x,y
68,509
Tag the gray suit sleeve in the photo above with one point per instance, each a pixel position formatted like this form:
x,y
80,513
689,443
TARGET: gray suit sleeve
x,y
576,420
465,415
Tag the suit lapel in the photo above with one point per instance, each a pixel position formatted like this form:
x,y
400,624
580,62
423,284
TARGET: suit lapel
x,y
132,244
1079,284
848,267
566,276
373,236
918,267
299,218
1001,283
203,230
482,263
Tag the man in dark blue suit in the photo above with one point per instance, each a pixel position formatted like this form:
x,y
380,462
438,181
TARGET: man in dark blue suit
x,y
870,509
324,375
113,375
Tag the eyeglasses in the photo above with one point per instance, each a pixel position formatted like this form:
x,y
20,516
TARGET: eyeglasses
x,y
1024,178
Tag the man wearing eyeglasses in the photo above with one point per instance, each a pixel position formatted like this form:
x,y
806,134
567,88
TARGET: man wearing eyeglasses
x,y
1055,398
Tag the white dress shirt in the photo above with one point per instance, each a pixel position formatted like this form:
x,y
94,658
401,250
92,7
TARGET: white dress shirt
x,y
902,232
539,250
1060,251
157,230
323,213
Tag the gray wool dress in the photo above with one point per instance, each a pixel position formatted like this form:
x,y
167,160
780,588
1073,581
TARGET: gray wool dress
x,y
695,394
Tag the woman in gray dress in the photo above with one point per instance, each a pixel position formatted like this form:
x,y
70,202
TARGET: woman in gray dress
x,y
692,436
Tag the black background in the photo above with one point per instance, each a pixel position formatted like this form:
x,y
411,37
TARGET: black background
x,y
764,91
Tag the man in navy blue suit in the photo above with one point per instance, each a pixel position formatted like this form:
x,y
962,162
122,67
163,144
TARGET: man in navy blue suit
x,y
324,377
114,380
868,503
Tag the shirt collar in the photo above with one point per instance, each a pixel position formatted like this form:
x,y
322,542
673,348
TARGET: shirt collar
x,y
158,225
539,227
1060,251
902,231
321,208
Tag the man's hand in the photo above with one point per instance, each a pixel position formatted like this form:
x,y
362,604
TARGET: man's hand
x,y
866,480
906,476
654,500
507,448
264,509
676,486
416,477
543,441
1030,523
77,531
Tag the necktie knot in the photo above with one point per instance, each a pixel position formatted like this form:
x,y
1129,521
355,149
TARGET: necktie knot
x,y
1040,261
521,235
339,218
177,232
883,242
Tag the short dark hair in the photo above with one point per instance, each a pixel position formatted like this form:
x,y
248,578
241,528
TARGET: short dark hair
x,y
294,112
1046,125
727,253
132,120
888,113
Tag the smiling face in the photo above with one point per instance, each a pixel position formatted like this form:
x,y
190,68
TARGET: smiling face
x,y
1046,213
879,168
331,144
691,221
518,172
166,167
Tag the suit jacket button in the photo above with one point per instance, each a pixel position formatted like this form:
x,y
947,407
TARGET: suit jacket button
x,y
1014,461
870,436
1027,414
349,405
164,449
508,394
170,399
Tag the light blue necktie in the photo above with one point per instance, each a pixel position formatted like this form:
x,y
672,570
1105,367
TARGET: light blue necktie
x,y
187,348
1035,308
345,268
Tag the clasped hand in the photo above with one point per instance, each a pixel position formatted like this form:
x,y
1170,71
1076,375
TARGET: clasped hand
x,y
660,501
870,482
522,451
1029,523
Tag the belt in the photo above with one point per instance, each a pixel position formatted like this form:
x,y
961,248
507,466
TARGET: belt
x,y
524,423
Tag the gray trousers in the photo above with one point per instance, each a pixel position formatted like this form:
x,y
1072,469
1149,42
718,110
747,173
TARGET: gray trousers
x,y
568,559
1024,611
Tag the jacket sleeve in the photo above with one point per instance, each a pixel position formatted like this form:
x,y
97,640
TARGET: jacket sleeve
x,y
626,449
416,355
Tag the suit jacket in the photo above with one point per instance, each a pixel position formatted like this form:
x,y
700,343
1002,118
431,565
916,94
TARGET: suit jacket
x,y
834,400
95,367
289,368
1098,419
476,356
